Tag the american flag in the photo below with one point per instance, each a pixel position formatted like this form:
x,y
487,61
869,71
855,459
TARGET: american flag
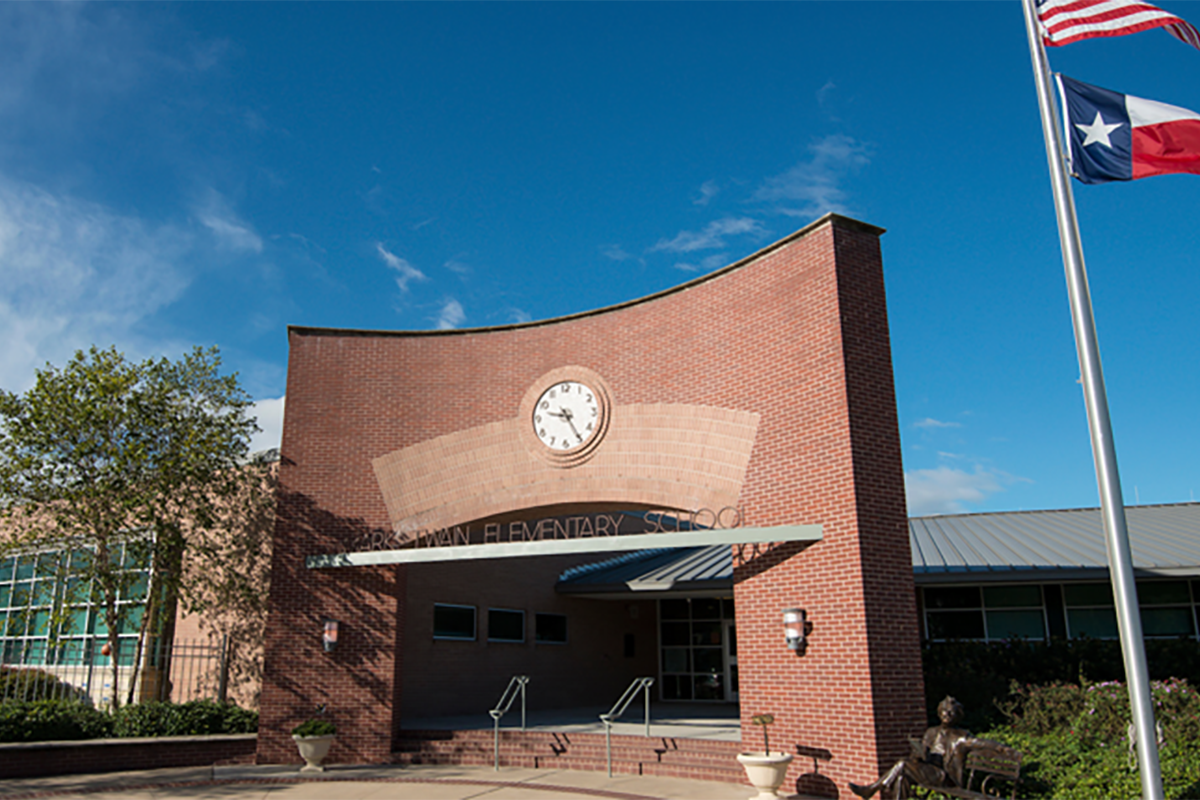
x,y
1066,21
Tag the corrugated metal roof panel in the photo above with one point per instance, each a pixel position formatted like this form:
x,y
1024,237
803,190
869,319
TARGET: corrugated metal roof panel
x,y
1165,538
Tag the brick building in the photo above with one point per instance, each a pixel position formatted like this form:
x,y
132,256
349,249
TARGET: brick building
x,y
754,405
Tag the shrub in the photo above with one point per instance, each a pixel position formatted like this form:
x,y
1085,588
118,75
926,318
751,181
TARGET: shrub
x,y
193,718
315,727
51,720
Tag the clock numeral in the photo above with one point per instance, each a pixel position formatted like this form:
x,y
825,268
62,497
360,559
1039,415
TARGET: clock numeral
x,y
589,427
552,438
565,388
589,399
545,404
542,433
552,394
537,418
594,411
566,445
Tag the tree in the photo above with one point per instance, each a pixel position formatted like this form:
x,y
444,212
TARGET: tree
x,y
123,466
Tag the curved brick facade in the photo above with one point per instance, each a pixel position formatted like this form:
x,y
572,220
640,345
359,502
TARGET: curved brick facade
x,y
793,338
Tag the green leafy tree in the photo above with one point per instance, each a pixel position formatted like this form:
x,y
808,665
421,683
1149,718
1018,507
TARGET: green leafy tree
x,y
106,456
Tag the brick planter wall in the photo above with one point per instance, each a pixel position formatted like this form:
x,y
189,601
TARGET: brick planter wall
x,y
38,759
795,334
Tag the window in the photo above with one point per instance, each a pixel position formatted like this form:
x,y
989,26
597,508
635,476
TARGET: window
x,y
453,622
49,614
1166,608
691,646
550,628
505,625
989,612
1090,610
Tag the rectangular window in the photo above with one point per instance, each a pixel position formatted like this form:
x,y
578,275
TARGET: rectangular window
x,y
1166,608
550,629
453,622
505,625
990,613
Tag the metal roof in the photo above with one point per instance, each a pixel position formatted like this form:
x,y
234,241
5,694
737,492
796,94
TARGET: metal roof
x,y
999,546
1019,545
689,571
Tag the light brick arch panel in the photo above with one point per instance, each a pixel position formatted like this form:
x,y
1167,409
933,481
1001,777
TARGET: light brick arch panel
x,y
662,455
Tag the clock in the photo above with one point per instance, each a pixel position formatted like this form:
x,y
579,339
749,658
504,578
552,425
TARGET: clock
x,y
567,415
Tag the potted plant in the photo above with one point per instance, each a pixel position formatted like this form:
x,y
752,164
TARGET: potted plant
x,y
766,770
314,738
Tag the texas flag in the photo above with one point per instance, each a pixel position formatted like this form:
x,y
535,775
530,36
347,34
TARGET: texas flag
x,y
1117,137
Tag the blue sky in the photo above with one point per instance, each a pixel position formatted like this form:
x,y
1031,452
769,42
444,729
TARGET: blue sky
x,y
208,173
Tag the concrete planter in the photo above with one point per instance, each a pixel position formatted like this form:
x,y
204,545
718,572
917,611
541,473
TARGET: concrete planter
x,y
313,750
766,771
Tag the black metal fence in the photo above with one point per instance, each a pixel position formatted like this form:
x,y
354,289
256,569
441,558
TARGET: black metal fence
x,y
176,671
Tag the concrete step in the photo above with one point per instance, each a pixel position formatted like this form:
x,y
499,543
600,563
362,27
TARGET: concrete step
x,y
638,755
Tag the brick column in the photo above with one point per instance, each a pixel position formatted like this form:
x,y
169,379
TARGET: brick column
x,y
847,706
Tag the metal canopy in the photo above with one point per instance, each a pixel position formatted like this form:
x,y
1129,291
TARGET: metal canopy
x,y
590,544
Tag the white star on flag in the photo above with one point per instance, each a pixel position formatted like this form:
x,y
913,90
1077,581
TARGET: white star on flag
x,y
1098,131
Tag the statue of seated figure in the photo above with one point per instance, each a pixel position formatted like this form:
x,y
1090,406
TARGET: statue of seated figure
x,y
936,762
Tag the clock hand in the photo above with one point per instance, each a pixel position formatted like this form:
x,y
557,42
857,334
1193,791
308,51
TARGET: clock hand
x,y
567,416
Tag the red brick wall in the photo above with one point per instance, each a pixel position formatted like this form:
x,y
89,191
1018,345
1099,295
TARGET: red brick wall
x,y
458,677
796,333
35,759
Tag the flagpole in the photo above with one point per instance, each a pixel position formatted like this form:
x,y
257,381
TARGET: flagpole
x,y
1112,506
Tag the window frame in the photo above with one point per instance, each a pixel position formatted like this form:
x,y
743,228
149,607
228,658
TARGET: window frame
x,y
498,640
474,623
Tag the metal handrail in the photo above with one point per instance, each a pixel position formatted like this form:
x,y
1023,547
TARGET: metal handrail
x,y
516,685
638,685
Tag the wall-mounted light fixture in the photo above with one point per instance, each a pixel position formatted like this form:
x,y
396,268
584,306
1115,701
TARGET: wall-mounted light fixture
x,y
795,629
330,635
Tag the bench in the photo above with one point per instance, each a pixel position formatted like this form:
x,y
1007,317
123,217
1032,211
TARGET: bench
x,y
989,764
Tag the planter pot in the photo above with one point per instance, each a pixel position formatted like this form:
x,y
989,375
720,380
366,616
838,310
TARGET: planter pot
x,y
313,750
766,771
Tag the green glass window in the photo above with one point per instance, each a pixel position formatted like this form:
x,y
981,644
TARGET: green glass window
x,y
1160,593
1088,594
1098,623
1167,621
25,567
1016,624
1012,596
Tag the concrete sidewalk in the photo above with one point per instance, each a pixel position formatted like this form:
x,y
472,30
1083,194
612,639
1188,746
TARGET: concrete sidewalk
x,y
360,783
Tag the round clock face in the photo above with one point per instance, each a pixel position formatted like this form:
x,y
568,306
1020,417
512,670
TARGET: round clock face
x,y
566,416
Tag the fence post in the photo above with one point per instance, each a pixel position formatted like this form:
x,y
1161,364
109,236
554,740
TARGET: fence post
x,y
223,685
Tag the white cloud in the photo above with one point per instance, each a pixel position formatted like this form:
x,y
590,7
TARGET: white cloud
x,y
811,188
76,274
945,490
708,190
519,315
707,264
711,238
457,267
270,418
407,271
452,315
929,422
230,232
614,252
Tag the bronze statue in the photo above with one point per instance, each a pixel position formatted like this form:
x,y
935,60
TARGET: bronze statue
x,y
937,761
